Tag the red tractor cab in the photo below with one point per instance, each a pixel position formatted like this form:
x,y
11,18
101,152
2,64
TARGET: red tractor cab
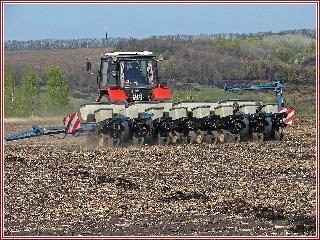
x,y
130,77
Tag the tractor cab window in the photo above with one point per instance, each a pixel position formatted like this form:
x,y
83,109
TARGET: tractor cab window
x,y
113,74
135,73
154,69
104,73
109,74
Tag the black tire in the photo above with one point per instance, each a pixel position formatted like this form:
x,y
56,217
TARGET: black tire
x,y
174,138
268,129
230,138
278,136
109,141
245,131
196,137
162,141
124,136
214,140
219,136
237,138
208,138
116,142
137,142
258,137
224,137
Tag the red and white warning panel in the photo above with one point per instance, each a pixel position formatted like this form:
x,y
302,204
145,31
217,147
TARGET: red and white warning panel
x,y
290,112
71,122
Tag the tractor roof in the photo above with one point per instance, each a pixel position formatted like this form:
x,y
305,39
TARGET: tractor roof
x,y
129,54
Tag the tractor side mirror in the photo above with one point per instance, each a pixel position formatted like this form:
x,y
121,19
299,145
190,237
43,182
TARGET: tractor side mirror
x,y
88,66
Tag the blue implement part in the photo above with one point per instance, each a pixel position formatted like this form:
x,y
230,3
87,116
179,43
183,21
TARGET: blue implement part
x,y
122,117
276,86
87,127
234,89
146,115
55,128
37,131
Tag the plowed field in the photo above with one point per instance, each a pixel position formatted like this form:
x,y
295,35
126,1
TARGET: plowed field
x,y
66,187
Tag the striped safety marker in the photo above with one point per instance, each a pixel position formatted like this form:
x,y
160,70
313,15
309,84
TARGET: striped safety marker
x,y
290,112
71,122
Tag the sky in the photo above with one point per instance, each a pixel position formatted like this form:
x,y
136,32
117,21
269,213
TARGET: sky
x,y
66,21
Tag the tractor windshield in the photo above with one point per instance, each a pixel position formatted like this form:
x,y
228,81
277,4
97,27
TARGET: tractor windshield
x,y
137,73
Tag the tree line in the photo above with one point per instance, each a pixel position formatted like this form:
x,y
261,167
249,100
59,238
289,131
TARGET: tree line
x,y
23,97
116,42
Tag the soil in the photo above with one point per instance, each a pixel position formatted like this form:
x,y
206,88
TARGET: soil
x,y
67,187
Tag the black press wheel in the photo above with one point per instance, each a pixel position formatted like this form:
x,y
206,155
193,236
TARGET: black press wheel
x,y
137,141
162,141
258,137
174,137
278,136
196,137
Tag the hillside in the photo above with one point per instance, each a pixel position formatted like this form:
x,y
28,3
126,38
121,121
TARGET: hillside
x,y
203,59
206,60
